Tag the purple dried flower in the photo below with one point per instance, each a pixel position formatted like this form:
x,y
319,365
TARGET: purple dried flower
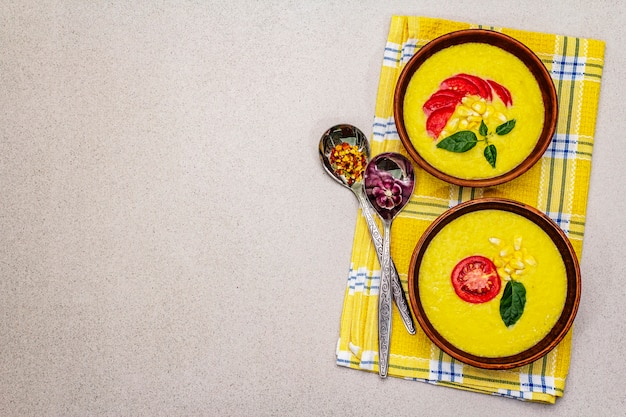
x,y
387,191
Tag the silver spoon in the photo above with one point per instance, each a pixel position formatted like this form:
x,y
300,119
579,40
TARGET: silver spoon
x,y
389,183
351,135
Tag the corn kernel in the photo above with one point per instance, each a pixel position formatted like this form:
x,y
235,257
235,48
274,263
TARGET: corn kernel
x,y
479,107
508,250
464,111
495,241
517,264
519,271
501,116
463,124
529,260
517,242
452,123
498,263
503,274
518,255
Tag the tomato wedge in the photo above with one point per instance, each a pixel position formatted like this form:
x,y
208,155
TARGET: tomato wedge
x,y
484,90
438,120
459,84
441,99
475,279
502,92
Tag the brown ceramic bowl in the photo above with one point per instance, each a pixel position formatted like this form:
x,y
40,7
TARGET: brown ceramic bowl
x,y
572,269
521,51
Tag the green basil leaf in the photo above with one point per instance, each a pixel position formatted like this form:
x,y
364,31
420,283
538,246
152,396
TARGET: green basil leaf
x,y
512,302
483,130
461,141
505,127
490,154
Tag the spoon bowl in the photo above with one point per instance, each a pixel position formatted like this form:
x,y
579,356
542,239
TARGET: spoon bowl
x,y
350,141
389,183
337,136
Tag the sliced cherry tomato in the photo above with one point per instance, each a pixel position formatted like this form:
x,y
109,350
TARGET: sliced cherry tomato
x,y
441,99
459,84
502,92
475,279
484,90
438,120
449,93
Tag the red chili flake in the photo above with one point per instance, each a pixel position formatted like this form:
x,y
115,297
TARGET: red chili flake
x,y
348,162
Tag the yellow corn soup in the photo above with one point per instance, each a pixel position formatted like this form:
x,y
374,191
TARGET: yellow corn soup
x,y
490,63
502,237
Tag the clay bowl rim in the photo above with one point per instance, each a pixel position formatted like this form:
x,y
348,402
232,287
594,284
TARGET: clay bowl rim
x,y
572,268
528,57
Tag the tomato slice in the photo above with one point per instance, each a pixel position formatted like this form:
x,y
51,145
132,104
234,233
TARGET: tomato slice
x,y
449,93
484,90
475,279
502,92
459,84
438,120
441,99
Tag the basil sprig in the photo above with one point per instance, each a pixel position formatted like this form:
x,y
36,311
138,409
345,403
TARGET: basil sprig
x,y
465,140
512,302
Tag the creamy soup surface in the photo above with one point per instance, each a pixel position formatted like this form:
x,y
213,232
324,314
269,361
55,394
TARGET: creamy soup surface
x,y
479,328
488,63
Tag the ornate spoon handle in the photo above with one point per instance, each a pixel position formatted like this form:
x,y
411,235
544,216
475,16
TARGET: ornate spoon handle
x,y
384,306
396,286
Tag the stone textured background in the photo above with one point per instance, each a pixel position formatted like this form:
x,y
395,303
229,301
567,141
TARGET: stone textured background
x,y
169,243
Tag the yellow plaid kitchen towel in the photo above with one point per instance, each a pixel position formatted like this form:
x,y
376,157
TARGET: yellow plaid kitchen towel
x,y
557,185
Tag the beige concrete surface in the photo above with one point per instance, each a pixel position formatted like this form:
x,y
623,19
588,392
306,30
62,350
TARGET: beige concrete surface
x,y
169,244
